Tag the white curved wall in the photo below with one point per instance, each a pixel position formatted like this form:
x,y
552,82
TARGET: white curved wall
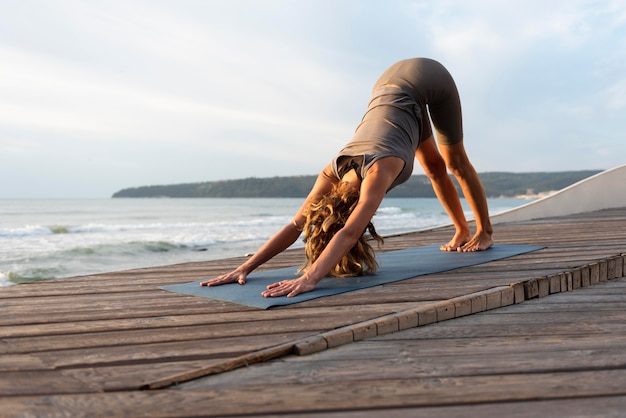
x,y
604,190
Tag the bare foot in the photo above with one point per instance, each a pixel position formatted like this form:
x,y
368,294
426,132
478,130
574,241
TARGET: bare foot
x,y
455,244
479,242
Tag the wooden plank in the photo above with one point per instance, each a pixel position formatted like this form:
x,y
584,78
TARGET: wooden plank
x,y
427,348
535,322
603,302
17,362
163,351
171,319
123,377
262,398
233,363
397,364
610,406
386,294
39,383
206,332
132,377
54,321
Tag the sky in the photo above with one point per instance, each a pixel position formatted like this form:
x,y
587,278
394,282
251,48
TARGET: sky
x,y
97,96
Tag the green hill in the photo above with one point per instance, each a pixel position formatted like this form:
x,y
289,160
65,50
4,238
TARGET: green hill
x,y
497,184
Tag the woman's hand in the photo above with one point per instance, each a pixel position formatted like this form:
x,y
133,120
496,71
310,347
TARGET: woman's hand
x,y
290,288
235,276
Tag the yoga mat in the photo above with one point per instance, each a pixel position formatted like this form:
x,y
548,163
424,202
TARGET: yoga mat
x,y
394,266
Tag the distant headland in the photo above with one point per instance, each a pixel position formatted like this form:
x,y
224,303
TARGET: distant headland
x,y
497,184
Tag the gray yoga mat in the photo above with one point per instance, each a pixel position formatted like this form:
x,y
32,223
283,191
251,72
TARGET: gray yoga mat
x,y
394,266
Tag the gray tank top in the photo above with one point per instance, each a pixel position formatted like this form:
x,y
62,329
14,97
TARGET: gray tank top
x,y
397,117
391,127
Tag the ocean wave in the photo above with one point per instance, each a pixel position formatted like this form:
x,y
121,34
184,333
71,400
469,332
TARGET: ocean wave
x,y
98,257
5,280
34,230
38,230
91,258
389,210
135,248
28,230
29,275
225,228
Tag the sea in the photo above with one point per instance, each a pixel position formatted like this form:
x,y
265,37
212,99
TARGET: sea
x,y
55,238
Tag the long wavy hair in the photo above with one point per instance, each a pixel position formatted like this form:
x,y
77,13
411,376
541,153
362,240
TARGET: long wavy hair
x,y
324,218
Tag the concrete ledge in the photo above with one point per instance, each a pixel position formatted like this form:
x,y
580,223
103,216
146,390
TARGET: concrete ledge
x,y
604,190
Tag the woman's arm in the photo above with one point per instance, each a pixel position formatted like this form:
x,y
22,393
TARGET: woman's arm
x,y
281,240
372,191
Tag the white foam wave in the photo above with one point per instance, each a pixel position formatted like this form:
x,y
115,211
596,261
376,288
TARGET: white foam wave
x,y
390,210
39,230
28,230
4,280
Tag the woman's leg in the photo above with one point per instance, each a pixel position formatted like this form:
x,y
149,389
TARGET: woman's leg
x,y
435,169
458,163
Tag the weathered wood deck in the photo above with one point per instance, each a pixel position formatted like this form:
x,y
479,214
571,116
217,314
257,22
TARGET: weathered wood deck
x,y
114,344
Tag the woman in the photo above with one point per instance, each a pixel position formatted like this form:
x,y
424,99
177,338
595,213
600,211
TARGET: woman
x,y
395,129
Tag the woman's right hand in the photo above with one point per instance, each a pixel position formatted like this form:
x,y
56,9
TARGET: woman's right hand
x,y
235,276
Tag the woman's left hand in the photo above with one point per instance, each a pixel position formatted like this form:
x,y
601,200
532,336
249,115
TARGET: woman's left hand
x,y
290,288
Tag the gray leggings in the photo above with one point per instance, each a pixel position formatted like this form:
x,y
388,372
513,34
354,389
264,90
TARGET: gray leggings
x,y
429,84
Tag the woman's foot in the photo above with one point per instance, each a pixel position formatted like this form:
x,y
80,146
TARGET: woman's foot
x,y
479,242
458,241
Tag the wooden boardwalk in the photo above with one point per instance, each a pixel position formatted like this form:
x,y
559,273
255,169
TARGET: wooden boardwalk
x,y
459,343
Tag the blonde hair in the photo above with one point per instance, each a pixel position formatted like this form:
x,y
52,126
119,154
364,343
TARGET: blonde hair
x,y
324,218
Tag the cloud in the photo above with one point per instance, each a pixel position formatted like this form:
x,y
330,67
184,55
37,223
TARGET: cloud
x,y
242,88
614,96
45,94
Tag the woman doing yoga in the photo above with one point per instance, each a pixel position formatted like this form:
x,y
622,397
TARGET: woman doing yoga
x,y
396,128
